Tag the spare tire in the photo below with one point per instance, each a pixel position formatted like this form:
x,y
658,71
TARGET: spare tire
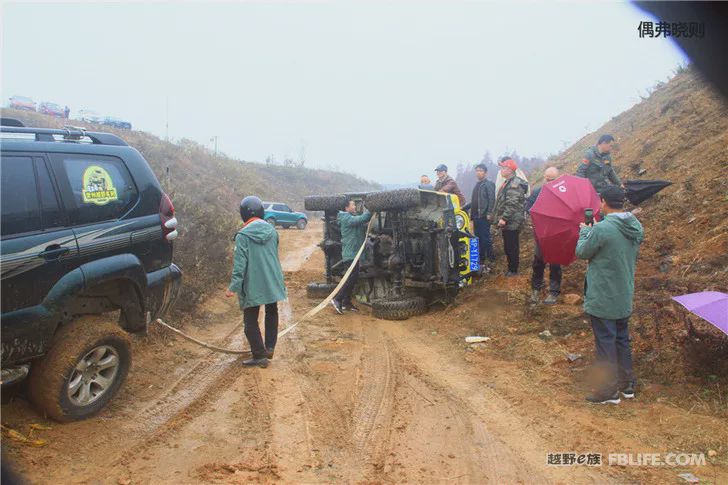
x,y
319,290
392,199
324,202
400,309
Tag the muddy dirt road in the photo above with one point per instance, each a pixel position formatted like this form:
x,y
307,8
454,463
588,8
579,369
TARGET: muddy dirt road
x,y
346,399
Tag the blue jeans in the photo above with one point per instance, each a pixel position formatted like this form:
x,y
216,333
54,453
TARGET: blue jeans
x,y
613,349
482,232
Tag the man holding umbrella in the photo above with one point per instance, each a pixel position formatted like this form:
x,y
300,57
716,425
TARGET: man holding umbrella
x,y
539,265
611,247
597,165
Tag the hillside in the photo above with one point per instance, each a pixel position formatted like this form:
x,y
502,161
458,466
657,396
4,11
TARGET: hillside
x,y
206,191
679,133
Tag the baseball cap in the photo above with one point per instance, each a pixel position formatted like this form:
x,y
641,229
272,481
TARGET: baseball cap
x,y
441,168
509,163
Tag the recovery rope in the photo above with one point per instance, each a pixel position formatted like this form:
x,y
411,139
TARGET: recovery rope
x,y
283,332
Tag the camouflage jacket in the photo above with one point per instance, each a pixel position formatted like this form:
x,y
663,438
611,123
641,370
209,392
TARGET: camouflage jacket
x,y
597,167
509,203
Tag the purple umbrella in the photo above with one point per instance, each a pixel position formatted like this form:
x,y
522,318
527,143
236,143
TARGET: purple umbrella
x,y
709,305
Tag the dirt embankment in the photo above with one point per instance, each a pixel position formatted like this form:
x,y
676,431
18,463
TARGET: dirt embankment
x,y
679,133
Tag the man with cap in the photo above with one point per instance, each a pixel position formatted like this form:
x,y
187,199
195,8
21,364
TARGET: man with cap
x,y
508,213
446,183
257,279
611,247
597,165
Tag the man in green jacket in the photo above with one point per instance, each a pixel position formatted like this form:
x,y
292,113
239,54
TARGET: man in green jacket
x,y
509,211
597,165
353,231
257,279
611,247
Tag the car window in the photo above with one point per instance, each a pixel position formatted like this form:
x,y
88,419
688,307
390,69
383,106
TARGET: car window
x,y
281,208
20,207
97,188
286,208
50,208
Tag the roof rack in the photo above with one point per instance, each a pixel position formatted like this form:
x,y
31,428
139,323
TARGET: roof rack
x,y
69,133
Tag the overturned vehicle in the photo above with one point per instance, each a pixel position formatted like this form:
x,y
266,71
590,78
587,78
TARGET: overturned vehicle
x,y
418,252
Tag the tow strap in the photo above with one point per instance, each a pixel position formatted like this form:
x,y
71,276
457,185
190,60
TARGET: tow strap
x,y
283,332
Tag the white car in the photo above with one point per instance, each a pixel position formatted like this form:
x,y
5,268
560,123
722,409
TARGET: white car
x,y
89,116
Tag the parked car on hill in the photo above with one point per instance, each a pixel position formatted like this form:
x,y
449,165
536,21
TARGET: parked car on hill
x,y
52,109
116,123
86,259
277,213
22,102
89,116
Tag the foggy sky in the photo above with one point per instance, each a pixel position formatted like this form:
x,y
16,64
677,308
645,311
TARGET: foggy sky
x,y
383,90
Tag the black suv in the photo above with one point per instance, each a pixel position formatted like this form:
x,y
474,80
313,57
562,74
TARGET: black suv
x,y
86,258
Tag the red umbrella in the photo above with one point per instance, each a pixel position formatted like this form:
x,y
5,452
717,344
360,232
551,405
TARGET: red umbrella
x,y
557,213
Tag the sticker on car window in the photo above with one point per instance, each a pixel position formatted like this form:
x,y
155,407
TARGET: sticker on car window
x,y
98,188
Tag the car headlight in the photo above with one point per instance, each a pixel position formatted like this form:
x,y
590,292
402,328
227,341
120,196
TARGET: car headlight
x,y
459,221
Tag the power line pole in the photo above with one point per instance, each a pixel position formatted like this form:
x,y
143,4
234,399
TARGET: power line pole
x,y
214,138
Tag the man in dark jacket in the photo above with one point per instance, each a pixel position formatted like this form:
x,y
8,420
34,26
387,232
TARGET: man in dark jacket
x,y
597,165
446,183
482,204
539,265
611,247
257,279
353,232
509,212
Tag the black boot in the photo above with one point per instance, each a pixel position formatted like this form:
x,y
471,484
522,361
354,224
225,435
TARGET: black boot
x,y
262,362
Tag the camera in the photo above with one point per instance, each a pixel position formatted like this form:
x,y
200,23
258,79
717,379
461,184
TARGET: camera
x,y
589,217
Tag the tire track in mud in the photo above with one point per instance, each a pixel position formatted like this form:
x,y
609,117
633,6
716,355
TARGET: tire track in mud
x,y
374,405
490,456
188,397
326,422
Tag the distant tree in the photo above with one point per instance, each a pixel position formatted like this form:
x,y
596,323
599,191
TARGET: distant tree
x,y
465,174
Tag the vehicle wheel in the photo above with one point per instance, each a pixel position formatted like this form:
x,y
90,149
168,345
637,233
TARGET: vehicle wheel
x,y
392,199
301,224
400,309
319,290
85,367
271,221
324,202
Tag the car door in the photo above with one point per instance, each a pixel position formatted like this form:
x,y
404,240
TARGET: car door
x,y
98,191
283,213
38,247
